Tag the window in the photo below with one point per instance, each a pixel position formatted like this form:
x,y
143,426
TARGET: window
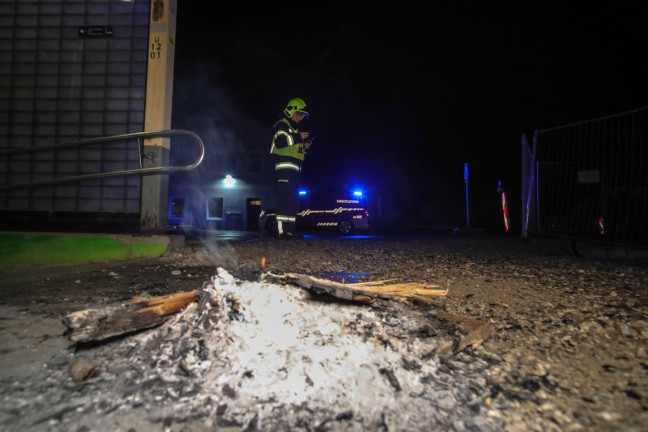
x,y
214,208
178,207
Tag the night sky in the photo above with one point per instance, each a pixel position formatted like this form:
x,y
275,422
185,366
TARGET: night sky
x,y
401,97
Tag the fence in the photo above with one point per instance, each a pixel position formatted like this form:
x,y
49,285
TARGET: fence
x,y
588,180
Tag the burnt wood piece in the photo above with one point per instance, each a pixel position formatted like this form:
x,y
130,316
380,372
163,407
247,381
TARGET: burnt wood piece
x,y
365,292
469,331
473,333
90,325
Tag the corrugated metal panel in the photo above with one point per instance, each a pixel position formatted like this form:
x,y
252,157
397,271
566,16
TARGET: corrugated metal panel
x,y
59,86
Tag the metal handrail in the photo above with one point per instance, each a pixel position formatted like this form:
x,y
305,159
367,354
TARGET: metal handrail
x,y
141,170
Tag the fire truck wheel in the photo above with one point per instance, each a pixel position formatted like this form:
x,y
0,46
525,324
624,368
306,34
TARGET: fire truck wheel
x,y
345,227
271,225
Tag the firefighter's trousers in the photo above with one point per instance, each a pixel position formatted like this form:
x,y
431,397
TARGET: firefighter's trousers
x,y
287,185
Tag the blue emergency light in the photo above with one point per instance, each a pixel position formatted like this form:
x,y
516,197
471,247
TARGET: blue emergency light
x,y
357,193
302,192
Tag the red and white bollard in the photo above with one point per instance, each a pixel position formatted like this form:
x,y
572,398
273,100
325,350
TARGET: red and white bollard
x,y
502,193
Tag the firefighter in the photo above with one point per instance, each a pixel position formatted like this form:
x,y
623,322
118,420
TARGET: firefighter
x,y
288,150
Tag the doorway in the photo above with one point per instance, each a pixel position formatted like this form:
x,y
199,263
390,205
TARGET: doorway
x,y
252,210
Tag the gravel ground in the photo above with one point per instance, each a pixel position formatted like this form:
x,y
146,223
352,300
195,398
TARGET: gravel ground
x,y
568,349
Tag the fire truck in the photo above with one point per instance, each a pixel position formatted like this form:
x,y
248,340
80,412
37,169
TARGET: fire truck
x,y
344,213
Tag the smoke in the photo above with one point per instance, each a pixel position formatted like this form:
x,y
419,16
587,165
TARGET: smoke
x,y
204,105
218,254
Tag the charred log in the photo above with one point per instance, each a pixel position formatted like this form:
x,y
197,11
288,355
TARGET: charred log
x,y
91,325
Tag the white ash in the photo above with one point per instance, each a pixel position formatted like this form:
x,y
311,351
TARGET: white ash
x,y
289,350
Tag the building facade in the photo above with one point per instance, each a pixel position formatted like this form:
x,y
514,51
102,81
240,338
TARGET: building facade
x,y
71,70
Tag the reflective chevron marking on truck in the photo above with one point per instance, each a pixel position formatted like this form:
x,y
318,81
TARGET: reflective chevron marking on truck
x,y
334,211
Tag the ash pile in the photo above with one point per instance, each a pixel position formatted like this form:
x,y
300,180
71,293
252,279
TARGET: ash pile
x,y
267,355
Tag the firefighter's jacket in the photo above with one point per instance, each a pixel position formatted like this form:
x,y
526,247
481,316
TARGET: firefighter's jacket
x,y
287,146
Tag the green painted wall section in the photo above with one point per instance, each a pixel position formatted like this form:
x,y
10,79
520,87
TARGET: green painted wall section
x,y
23,250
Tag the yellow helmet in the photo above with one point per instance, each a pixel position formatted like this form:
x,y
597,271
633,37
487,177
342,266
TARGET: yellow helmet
x,y
295,105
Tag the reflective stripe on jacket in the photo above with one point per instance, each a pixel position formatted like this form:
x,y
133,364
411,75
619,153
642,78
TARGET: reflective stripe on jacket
x,y
287,141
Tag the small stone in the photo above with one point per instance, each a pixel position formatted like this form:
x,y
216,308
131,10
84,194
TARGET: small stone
x,y
82,369
610,416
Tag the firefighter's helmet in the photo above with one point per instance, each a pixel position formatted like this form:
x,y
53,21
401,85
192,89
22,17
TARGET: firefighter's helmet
x,y
295,105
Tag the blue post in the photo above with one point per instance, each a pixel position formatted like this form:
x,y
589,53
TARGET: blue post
x,y
467,202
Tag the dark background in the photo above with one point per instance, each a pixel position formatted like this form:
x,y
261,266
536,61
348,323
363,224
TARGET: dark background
x,y
401,96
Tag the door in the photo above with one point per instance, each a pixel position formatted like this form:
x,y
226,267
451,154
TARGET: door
x,y
252,210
